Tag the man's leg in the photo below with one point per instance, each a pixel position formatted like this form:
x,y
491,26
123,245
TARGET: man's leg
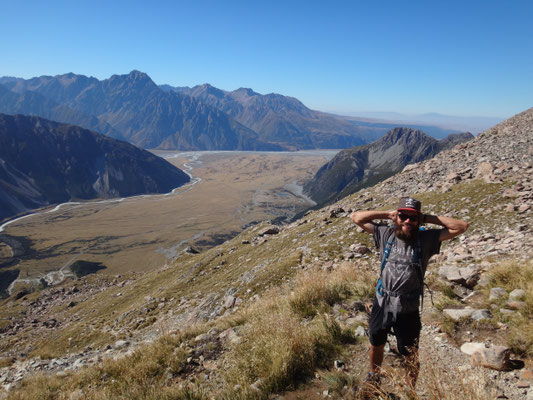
x,y
378,338
407,332
376,357
412,365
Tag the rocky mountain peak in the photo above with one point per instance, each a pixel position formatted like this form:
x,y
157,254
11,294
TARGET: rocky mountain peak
x,y
501,150
138,75
247,91
405,135
362,166
205,90
70,78
135,80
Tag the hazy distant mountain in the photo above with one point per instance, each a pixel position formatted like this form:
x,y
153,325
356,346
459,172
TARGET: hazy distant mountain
x,y
32,103
179,89
144,114
43,162
285,120
430,120
359,167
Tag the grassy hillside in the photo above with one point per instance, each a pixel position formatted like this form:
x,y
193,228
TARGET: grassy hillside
x,y
277,314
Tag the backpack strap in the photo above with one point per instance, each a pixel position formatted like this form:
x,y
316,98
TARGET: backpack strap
x,y
386,253
417,263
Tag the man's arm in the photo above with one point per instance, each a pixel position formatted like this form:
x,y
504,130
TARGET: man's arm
x,y
364,218
452,227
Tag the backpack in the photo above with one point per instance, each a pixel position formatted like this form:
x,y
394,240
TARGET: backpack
x,y
417,261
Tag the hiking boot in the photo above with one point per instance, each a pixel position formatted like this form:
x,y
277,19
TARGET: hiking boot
x,y
373,378
369,388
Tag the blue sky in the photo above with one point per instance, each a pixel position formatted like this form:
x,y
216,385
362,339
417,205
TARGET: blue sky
x,y
453,57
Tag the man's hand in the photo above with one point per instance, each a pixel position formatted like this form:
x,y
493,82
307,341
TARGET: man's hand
x,y
452,227
364,219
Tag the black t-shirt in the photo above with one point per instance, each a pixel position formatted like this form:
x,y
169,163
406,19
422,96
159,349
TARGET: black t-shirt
x,y
402,275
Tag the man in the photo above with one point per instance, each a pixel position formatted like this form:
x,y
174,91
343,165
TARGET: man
x,y
405,251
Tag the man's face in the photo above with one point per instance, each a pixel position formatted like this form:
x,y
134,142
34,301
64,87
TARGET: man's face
x,y
406,224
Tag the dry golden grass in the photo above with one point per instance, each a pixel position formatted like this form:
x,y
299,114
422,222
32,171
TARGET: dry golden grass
x,y
289,334
314,292
437,382
286,336
148,373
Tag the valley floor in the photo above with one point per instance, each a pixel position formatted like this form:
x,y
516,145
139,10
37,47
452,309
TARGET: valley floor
x,y
229,190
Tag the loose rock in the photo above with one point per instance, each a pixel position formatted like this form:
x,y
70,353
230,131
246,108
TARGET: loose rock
x,y
496,357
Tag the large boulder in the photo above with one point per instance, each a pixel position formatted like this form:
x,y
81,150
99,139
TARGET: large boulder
x,y
495,357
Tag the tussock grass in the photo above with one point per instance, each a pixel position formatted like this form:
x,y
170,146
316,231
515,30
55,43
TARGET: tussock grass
x,y
514,275
509,275
289,335
6,361
148,373
335,381
286,335
316,291
45,387
277,349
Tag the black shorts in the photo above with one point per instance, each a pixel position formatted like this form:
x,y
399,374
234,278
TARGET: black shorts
x,y
406,329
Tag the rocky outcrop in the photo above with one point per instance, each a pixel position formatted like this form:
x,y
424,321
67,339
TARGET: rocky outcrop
x,y
44,162
502,152
359,167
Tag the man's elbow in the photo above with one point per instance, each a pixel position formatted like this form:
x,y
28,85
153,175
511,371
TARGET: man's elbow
x,y
356,218
459,229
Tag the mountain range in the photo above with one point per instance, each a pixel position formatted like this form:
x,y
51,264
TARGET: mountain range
x,y
355,168
141,113
284,120
132,107
44,162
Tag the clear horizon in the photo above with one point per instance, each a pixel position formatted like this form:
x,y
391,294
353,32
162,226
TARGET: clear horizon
x,y
457,58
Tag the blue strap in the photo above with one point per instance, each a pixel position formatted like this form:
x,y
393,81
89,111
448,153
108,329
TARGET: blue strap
x,y
386,252
417,262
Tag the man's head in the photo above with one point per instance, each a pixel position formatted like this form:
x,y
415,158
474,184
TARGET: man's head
x,y
408,217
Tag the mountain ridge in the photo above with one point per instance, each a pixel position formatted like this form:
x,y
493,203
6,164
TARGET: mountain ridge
x,y
145,115
133,107
355,168
44,162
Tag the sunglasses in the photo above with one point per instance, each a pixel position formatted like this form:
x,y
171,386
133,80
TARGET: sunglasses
x,y
405,217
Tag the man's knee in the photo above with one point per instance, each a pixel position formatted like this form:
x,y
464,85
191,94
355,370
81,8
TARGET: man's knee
x,y
379,348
